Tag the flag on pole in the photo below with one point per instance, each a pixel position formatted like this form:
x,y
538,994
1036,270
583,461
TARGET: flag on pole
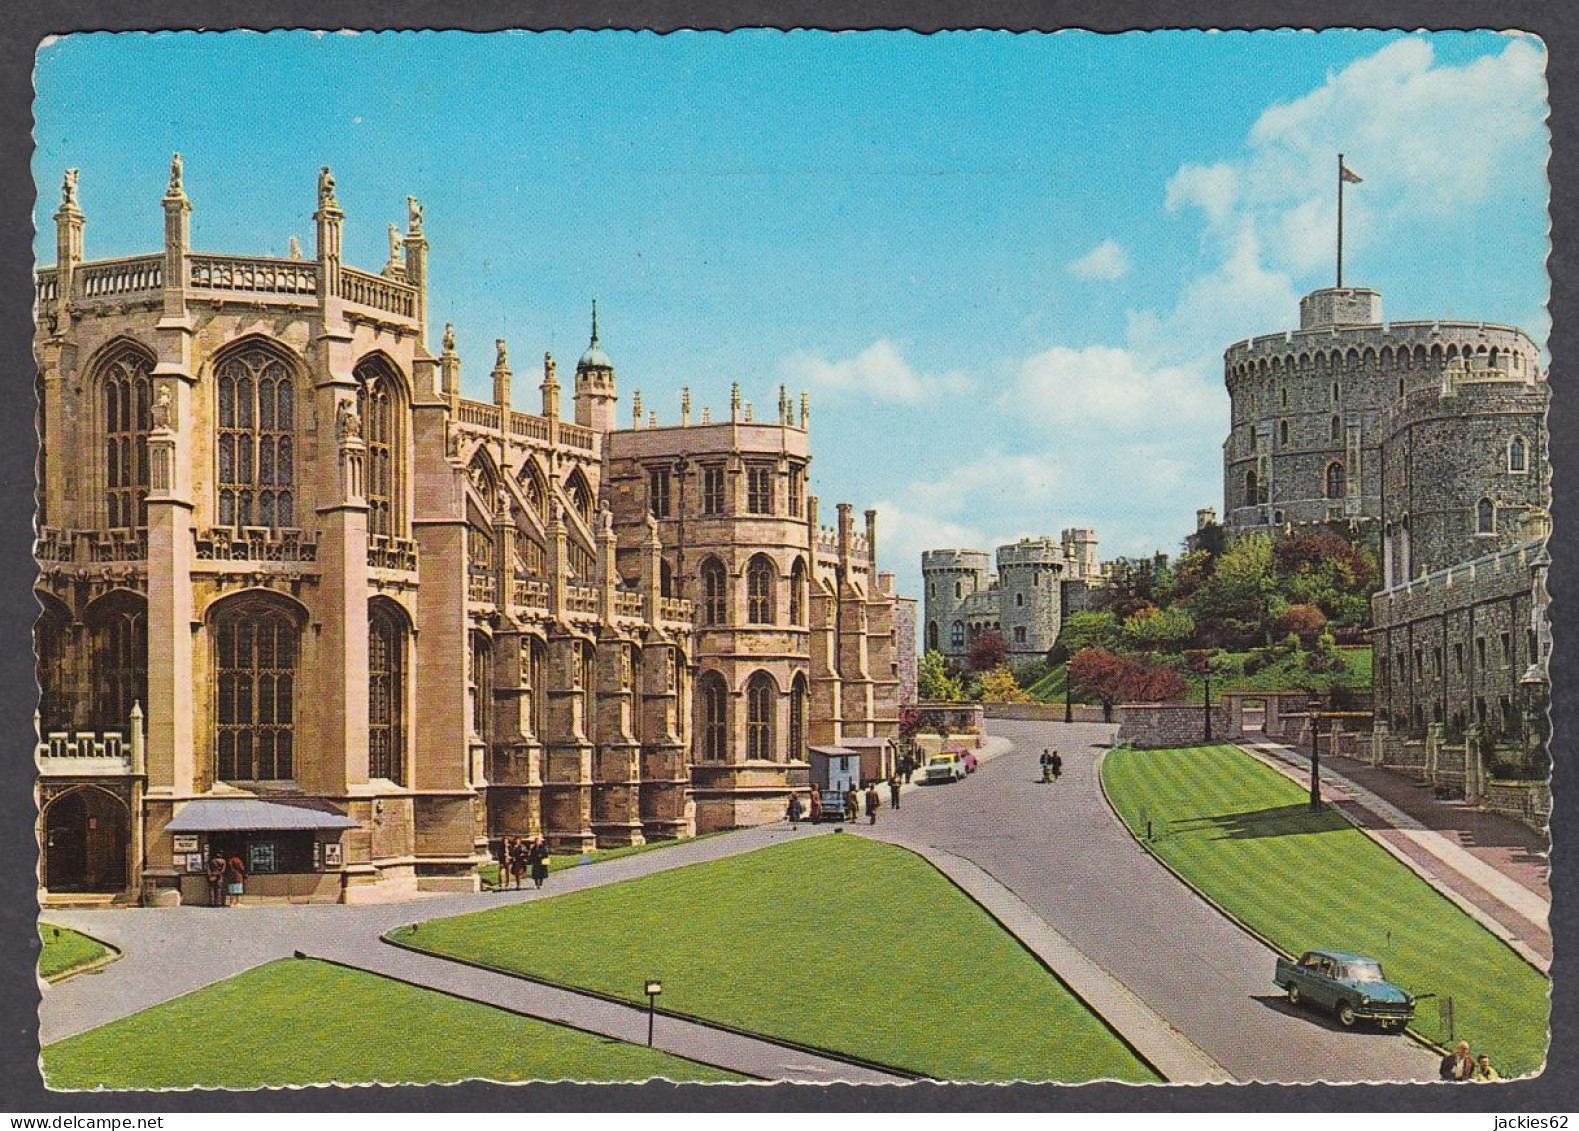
x,y
1349,175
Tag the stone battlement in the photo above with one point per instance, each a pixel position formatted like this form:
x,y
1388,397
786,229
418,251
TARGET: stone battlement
x,y
975,561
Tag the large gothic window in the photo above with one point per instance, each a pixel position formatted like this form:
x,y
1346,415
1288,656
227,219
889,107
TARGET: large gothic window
x,y
255,648
759,591
482,686
715,715
761,698
580,495
50,650
386,695
797,594
714,589
128,397
537,664
257,455
378,404
797,719
119,628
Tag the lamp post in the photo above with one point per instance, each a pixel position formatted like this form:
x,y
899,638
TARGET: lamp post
x,y
1314,707
1208,727
1069,702
654,988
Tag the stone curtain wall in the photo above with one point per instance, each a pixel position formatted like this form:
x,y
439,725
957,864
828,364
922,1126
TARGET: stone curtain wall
x,y
1042,712
1168,724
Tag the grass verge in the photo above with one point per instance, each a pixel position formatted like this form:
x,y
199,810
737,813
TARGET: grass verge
x,y
64,952
1243,834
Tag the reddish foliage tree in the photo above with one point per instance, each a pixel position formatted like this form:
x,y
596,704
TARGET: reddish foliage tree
x,y
1119,679
909,722
987,651
1305,621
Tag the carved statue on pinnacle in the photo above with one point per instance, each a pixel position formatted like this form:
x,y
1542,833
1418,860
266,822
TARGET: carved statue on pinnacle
x,y
68,189
326,189
176,188
413,215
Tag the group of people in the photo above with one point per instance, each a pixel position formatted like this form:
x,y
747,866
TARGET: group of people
x,y
854,800
1052,765
226,879
1461,1065
519,855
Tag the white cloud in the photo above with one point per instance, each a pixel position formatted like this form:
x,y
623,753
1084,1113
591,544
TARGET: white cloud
x,y
1212,188
1108,260
879,372
1100,388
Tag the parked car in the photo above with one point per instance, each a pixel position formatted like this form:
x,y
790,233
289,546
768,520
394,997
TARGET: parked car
x,y
833,806
948,766
1350,985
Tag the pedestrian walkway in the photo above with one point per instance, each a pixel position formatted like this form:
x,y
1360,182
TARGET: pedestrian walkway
x,y
1429,836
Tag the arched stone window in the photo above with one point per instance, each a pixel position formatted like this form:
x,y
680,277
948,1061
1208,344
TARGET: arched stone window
x,y
797,719
665,578
932,636
1485,517
257,453
1252,497
715,716
587,681
534,488
256,646
536,666
580,495
482,686
386,693
128,399
118,631
797,593
1335,480
50,650
1282,433
1335,428
715,593
760,595
381,406
761,701
959,590
957,634
1518,457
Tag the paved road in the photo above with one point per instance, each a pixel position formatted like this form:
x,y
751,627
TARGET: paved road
x,y
1102,892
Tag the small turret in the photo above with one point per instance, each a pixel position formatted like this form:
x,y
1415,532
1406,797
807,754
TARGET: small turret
x,y
595,395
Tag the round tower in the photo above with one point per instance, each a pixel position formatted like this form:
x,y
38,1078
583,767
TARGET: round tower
x,y
595,395
950,577
1030,573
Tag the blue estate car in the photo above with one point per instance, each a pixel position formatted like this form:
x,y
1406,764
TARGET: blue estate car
x,y
1350,985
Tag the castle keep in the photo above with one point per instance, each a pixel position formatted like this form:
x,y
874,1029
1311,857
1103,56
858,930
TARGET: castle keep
x,y
304,602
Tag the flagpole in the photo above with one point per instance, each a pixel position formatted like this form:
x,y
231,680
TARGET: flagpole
x,y
1340,221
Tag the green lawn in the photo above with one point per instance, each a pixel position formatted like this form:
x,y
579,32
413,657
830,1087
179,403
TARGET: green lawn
x,y
1243,834
834,941
1287,674
65,950
298,1021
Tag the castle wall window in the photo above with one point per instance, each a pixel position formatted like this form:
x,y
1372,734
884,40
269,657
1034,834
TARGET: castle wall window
x,y
386,695
482,687
1506,640
715,716
713,490
956,634
658,492
1019,634
959,590
1480,651
1335,480
1335,428
1019,600
379,406
1518,461
1251,496
537,664
255,649
759,591
1335,393
797,492
761,698
1282,433
1283,397
128,396
797,594
1485,517
932,636
118,631
797,719
257,458
587,681
715,587
581,500
1458,658
759,489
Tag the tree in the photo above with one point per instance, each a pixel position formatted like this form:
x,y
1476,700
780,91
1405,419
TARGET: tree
x,y
987,651
1164,630
1113,678
934,681
1090,628
998,685
1239,604
1305,621
910,719
1096,670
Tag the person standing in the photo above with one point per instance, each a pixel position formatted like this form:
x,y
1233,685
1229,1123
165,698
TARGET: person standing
x,y
235,880
816,806
520,859
1057,765
216,879
852,803
872,802
506,848
893,793
1458,1065
1483,1069
794,811
910,766
539,860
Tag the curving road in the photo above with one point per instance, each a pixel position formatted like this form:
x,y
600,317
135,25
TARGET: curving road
x,y
1064,853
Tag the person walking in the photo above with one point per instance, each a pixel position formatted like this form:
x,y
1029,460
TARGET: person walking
x,y
506,849
1057,765
794,811
539,860
216,879
235,880
1047,766
910,766
893,793
872,802
852,803
1458,1065
520,860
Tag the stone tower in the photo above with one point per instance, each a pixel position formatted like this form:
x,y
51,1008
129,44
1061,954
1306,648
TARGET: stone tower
x,y
1030,606
1080,554
595,395
951,576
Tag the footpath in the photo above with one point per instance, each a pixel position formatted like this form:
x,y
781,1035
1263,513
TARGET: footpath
x,y
1493,867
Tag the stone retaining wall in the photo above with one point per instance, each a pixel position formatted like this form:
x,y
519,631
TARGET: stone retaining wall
x,y
1169,724
1042,712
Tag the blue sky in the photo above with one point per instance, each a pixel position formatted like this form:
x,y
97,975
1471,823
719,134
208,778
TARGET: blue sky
x,y
1005,266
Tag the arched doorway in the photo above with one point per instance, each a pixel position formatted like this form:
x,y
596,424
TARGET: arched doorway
x,y
85,837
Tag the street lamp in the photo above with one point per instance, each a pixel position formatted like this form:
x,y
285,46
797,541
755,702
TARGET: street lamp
x,y
654,988
1314,707
1069,702
1208,728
